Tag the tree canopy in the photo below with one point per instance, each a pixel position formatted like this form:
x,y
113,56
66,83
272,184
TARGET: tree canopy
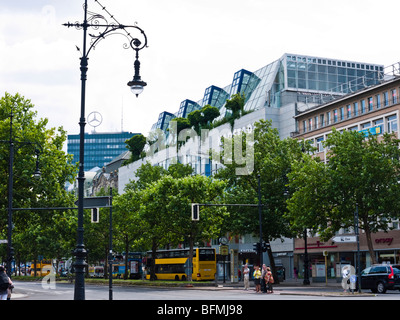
x,y
361,172
35,232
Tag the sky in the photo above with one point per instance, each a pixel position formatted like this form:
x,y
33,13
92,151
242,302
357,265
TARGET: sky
x,y
192,44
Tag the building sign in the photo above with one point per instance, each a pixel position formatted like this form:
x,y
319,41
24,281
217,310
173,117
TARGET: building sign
x,y
384,240
372,131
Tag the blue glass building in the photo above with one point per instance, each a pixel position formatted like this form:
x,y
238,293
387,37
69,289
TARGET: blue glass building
x,y
100,148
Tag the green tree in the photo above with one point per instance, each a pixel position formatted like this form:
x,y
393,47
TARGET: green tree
x,y
136,146
360,172
196,189
195,118
209,113
272,162
38,230
134,215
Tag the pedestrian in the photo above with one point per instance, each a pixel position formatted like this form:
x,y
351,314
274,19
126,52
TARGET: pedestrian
x,y
263,283
246,277
269,280
5,285
257,278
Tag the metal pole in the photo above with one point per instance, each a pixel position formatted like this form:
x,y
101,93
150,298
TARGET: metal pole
x,y
356,230
80,252
110,257
260,220
306,280
10,251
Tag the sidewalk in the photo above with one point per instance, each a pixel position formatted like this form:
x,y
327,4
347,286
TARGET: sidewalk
x,y
292,287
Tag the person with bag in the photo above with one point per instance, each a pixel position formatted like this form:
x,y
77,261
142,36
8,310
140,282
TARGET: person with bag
x,y
5,284
269,280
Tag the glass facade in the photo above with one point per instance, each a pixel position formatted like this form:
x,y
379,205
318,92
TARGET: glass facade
x,y
163,121
187,106
284,82
100,148
215,97
314,79
336,76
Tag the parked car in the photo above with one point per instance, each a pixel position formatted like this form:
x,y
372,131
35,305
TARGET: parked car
x,y
382,277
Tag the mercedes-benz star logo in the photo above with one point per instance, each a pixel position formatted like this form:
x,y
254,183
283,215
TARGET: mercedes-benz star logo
x,y
95,119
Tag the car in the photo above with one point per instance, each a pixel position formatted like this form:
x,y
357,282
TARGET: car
x,y
381,277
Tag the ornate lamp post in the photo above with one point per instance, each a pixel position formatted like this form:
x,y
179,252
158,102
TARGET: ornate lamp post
x,y
93,20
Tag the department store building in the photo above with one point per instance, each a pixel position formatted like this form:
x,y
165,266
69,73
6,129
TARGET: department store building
x,y
276,91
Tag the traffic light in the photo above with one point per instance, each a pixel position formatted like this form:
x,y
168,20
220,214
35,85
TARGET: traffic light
x,y
265,246
256,247
95,215
195,212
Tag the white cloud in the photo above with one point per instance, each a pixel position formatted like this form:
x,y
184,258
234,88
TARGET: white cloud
x,y
192,45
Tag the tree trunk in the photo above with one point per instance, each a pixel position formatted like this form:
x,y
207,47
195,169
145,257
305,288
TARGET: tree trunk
x,y
107,272
153,262
272,262
369,242
126,257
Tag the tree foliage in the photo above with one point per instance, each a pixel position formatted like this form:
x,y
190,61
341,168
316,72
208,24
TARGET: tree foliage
x,y
360,172
272,163
35,232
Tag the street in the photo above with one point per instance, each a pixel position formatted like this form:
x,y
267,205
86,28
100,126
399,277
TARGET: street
x,y
64,291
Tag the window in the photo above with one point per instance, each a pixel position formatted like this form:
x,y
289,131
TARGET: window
x,y
370,104
316,122
335,116
310,124
385,99
320,146
366,125
394,96
341,113
362,106
391,124
378,101
304,125
328,118
322,117
348,111
355,128
378,124
355,109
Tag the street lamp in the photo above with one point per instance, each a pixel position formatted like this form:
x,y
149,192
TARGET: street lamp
x,y
94,21
137,85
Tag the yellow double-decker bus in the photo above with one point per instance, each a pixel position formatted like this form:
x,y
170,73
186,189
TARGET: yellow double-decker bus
x,y
174,264
41,268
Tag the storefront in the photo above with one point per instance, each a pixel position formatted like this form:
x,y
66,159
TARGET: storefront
x,y
326,259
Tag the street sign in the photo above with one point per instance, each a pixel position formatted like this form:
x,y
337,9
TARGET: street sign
x,y
3,241
345,239
95,202
223,250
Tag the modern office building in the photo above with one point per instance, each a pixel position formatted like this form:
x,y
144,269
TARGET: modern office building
x,y
100,148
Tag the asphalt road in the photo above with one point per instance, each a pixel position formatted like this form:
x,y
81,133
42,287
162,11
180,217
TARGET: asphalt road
x,y
64,291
